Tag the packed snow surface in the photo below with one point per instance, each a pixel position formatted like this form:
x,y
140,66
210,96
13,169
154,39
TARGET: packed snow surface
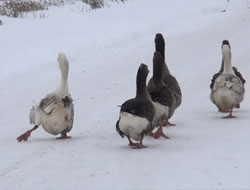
x,y
105,48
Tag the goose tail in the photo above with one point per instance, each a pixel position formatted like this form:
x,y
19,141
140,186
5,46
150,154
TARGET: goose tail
x,y
33,113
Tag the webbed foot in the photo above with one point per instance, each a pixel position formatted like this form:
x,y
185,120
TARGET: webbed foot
x,y
167,123
26,135
159,133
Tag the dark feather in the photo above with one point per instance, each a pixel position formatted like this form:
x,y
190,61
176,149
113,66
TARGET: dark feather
x,y
67,101
162,96
118,129
139,107
46,101
216,75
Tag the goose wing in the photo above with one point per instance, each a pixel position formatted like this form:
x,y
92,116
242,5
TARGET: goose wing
x,y
48,104
162,95
139,108
230,82
51,102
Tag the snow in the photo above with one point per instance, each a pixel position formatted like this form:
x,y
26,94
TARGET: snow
x,y
105,48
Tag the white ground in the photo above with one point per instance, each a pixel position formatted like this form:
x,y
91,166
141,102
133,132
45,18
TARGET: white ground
x,y
105,48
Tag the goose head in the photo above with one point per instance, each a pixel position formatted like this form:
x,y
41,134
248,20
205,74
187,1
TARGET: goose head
x,y
160,47
160,44
225,42
143,69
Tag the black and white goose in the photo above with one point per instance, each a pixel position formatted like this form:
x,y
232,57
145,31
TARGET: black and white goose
x,y
56,111
215,76
168,79
137,114
228,90
162,96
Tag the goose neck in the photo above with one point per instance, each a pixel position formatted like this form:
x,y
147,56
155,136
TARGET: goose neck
x,y
227,65
141,89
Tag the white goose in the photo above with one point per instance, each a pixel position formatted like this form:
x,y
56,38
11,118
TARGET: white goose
x,y
56,111
228,90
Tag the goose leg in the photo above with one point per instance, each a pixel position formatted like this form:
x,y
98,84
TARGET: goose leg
x,y
167,123
26,135
230,115
237,106
130,142
139,145
64,135
223,110
159,133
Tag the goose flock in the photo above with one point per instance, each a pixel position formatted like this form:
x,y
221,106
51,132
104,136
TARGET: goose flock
x,y
153,106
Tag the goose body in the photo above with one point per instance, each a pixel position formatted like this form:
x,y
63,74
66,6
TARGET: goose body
x,y
168,79
236,72
163,101
162,97
133,125
228,90
137,115
55,112
127,123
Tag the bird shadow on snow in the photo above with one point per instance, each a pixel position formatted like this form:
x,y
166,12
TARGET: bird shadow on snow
x,y
150,143
126,147
240,114
53,139
215,114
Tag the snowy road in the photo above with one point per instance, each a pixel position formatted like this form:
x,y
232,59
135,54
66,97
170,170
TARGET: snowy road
x,y
105,48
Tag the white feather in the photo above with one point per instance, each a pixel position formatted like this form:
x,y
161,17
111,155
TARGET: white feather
x,y
162,112
58,121
132,125
226,54
228,91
